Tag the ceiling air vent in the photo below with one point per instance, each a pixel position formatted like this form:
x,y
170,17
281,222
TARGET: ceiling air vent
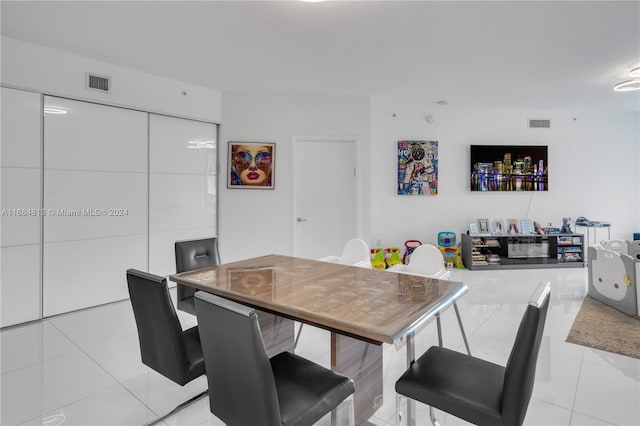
x,y
98,82
539,124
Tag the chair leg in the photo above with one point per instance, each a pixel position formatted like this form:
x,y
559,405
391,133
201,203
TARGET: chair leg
x,y
344,414
439,325
464,335
406,412
401,410
432,416
295,343
181,406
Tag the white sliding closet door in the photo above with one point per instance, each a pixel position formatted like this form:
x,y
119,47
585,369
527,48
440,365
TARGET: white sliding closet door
x,y
182,186
95,180
21,191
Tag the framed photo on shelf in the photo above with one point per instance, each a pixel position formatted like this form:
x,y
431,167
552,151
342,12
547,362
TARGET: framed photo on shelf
x,y
497,226
251,165
526,226
513,227
473,228
483,226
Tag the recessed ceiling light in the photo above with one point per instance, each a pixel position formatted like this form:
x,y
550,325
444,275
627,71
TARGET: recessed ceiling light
x,y
635,72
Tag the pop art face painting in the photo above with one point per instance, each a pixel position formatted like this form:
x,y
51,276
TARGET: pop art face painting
x,y
251,165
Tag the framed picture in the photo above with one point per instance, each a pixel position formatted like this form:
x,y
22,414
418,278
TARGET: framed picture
x,y
473,228
526,226
513,226
417,167
497,226
251,165
483,226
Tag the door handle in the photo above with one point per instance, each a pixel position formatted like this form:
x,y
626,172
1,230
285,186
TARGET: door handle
x,y
301,219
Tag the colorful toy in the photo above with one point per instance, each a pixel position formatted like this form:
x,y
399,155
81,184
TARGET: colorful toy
x,y
394,257
410,246
446,239
451,251
378,259
459,263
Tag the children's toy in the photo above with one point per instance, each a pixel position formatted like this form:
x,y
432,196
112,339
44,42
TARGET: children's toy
x,y
446,239
452,256
613,277
451,251
394,257
410,246
566,225
378,259
459,264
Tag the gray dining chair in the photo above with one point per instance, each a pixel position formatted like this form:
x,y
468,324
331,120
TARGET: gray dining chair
x,y
249,388
192,255
473,389
164,346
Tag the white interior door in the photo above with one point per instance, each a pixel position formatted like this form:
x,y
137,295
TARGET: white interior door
x,y
326,195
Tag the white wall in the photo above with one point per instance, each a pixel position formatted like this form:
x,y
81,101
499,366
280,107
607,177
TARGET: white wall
x,y
43,70
257,222
593,168
20,188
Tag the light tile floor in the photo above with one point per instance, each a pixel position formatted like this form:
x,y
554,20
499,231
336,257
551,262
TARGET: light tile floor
x,y
84,368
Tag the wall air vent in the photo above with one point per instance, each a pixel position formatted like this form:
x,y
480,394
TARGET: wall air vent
x,y
98,82
539,124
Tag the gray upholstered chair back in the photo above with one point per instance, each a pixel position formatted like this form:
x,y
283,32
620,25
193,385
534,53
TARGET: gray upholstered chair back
x,y
241,381
192,255
196,254
521,368
162,346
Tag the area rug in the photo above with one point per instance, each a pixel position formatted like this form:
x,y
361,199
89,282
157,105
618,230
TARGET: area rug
x,y
601,327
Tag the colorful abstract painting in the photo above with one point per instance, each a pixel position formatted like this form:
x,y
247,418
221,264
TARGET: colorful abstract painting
x,y
417,168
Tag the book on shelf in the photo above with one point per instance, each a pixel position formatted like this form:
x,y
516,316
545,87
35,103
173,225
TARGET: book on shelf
x,y
492,242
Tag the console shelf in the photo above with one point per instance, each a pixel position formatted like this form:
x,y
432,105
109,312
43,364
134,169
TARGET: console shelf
x,y
522,251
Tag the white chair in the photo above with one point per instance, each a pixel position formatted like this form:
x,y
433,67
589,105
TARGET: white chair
x,y
427,261
355,252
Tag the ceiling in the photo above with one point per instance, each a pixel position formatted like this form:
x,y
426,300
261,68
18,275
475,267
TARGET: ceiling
x,y
505,54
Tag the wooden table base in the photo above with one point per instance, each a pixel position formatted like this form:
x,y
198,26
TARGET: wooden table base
x,y
362,362
277,333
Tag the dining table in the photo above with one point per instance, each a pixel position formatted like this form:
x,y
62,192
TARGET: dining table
x,y
361,308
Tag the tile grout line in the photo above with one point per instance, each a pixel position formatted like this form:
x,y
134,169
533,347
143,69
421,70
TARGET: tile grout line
x,y
575,393
119,383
